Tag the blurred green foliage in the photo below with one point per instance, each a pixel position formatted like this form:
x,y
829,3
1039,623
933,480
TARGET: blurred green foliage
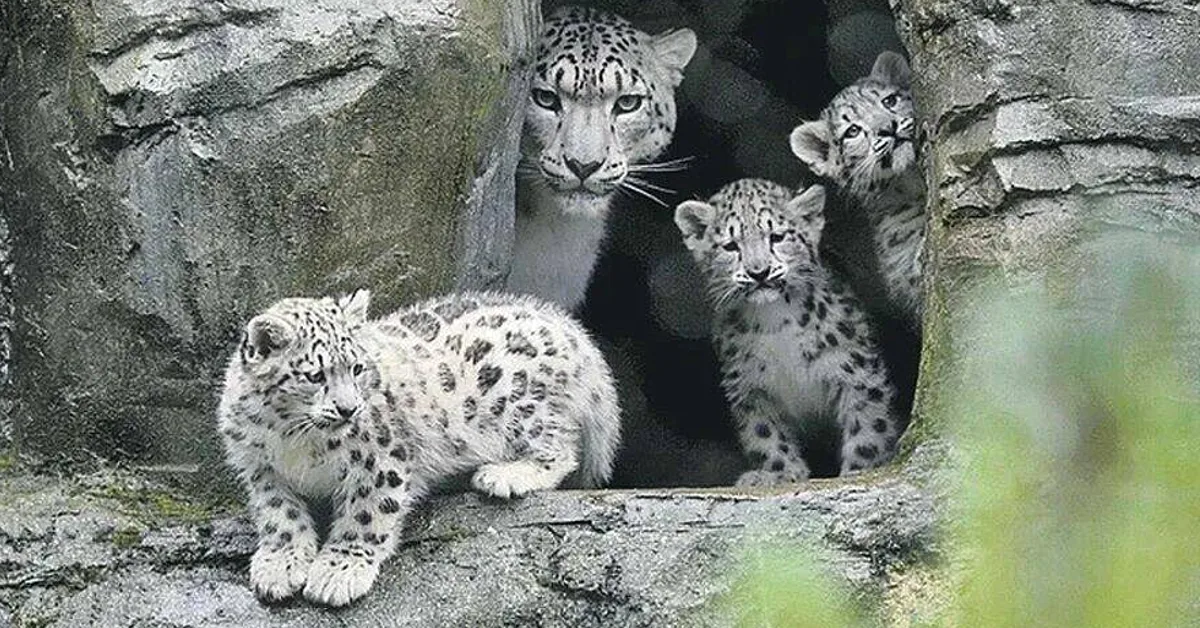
x,y
1077,497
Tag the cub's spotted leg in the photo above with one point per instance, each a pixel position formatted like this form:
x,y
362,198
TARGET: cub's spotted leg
x,y
549,457
287,540
362,535
766,437
869,430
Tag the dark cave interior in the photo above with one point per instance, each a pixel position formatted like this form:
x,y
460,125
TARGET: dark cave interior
x,y
761,67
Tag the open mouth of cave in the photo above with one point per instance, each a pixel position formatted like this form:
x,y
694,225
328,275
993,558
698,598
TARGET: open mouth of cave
x,y
760,69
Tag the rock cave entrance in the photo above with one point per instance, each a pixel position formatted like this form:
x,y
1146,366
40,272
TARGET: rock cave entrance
x,y
760,68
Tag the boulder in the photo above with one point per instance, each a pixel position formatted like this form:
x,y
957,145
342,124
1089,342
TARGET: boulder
x,y
166,170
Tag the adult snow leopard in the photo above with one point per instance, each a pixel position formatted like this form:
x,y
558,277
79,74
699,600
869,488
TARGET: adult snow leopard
x,y
602,104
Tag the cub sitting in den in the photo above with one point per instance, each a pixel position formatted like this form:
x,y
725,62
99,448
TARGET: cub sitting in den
x,y
322,404
794,344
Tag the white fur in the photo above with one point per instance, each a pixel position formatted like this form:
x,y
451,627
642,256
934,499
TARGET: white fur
x,y
878,168
509,388
795,346
562,208
557,243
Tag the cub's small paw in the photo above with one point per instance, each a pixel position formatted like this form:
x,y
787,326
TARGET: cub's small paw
x,y
278,573
512,479
337,578
758,477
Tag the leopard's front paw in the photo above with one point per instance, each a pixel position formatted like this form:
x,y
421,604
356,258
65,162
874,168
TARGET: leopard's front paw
x,y
759,477
277,573
339,576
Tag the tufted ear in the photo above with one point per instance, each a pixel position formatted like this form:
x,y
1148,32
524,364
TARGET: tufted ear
x,y
266,335
674,50
693,219
354,306
811,143
808,210
891,68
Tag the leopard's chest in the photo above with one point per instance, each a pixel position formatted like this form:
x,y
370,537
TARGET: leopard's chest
x,y
308,467
779,352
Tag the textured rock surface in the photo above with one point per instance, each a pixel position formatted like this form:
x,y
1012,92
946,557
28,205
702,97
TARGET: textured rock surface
x,y
104,553
165,170
1050,123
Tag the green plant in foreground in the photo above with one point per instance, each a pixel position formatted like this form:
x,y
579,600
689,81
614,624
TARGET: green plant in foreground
x,y
783,585
1079,497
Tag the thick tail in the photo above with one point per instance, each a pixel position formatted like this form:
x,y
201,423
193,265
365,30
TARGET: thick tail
x,y
601,417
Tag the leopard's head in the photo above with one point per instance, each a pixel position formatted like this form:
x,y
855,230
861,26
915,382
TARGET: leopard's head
x,y
753,239
866,136
302,356
602,99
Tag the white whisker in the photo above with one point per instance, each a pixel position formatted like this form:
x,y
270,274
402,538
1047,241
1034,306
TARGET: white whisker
x,y
632,186
651,186
670,165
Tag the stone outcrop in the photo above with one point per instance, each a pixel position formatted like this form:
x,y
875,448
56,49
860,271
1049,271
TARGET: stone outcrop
x,y
168,169
1054,128
109,552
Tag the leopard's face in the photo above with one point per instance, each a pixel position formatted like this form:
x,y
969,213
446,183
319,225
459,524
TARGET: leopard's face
x,y
307,365
602,99
754,239
866,136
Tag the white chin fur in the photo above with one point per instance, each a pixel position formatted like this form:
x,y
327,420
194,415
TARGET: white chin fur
x,y
761,297
585,204
903,157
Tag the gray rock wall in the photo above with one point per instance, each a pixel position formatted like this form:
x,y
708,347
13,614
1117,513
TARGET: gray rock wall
x,y
1054,128
168,171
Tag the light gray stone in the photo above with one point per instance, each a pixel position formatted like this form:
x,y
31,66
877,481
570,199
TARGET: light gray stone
x,y
114,551
168,169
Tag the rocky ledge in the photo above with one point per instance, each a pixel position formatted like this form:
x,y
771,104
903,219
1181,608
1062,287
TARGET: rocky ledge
x,y
112,550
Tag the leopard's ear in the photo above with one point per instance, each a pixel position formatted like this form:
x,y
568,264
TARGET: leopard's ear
x,y
807,209
265,336
892,68
693,218
674,49
811,143
354,306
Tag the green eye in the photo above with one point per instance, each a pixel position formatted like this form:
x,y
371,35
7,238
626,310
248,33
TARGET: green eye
x,y
730,246
890,101
316,377
357,370
546,99
852,132
627,103
776,238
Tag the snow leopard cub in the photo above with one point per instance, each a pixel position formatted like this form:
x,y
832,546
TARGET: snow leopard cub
x,y
793,342
322,405
865,142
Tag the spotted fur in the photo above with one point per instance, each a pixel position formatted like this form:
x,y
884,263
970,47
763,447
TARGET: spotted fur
x,y
602,101
794,343
321,403
865,143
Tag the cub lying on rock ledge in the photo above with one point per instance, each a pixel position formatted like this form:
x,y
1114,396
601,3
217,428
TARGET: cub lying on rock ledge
x,y
322,404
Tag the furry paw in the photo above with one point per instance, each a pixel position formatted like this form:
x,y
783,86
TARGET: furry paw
x,y
278,573
338,578
758,477
512,479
